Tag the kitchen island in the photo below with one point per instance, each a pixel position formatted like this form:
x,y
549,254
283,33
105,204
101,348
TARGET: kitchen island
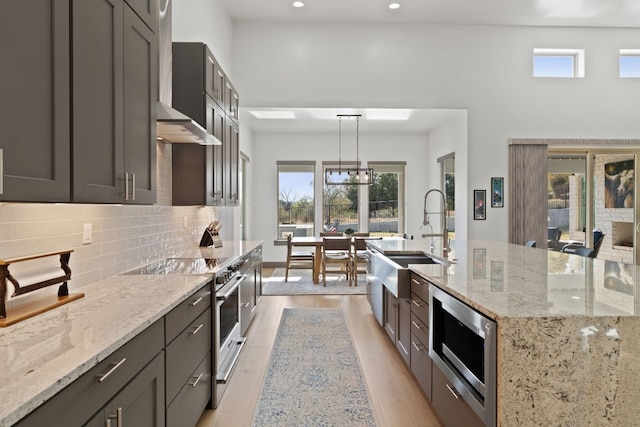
x,y
568,344
44,354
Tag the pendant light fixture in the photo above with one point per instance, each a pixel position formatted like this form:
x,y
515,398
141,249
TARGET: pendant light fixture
x,y
353,176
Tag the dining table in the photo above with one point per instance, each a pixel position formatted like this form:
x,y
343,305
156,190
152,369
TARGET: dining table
x,y
316,242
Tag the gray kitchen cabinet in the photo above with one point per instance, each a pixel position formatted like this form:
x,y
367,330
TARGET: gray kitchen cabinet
x,y
396,317
110,382
147,10
140,403
35,101
199,171
204,175
188,338
451,408
231,163
421,363
114,86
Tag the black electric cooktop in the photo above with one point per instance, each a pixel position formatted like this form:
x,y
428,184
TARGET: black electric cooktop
x,y
181,266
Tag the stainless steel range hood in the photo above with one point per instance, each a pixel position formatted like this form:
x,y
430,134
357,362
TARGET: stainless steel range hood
x,y
172,126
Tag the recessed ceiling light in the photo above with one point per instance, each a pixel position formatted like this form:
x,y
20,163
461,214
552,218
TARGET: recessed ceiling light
x,y
394,5
298,4
273,114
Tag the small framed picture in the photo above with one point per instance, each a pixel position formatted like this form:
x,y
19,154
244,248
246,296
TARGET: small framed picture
x,y
497,192
479,203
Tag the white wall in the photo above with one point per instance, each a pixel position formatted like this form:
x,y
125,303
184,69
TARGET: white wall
x,y
269,148
205,21
483,69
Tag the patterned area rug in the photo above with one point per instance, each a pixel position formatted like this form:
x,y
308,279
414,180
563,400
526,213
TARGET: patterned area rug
x,y
314,377
301,283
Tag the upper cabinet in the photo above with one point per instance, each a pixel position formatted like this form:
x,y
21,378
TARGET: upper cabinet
x,y
114,93
79,88
205,175
35,101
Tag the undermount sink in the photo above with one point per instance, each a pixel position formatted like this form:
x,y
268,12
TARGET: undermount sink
x,y
405,260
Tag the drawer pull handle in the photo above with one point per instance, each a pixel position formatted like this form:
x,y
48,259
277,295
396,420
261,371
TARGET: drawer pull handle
x,y
195,331
453,391
416,346
112,370
416,303
245,304
415,281
193,384
193,304
419,327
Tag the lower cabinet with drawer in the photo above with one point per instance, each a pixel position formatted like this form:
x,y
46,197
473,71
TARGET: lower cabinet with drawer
x,y
449,405
127,388
188,359
421,364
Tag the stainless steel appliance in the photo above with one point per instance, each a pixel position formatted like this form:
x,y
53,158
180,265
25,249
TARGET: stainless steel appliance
x,y
462,342
226,279
227,338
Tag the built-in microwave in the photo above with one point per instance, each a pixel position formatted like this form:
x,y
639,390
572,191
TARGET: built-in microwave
x,y
462,342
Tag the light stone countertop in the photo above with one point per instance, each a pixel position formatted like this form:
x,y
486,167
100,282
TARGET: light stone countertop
x,y
44,354
568,330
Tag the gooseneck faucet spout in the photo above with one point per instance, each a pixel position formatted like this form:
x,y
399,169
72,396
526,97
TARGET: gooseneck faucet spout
x,y
443,221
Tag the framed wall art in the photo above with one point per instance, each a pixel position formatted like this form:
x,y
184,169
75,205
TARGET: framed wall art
x,y
479,204
497,192
618,184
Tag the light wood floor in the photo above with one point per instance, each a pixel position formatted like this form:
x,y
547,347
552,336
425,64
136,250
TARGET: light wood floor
x,y
396,399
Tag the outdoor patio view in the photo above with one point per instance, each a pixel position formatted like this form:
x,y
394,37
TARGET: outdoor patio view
x,y
341,205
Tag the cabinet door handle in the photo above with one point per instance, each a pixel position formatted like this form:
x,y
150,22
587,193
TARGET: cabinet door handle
x,y
245,305
112,370
195,331
126,185
419,327
453,391
1,172
133,186
416,303
193,304
193,384
117,416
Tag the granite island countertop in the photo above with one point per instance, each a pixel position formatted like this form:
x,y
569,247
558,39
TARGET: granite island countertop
x,y
568,331
44,354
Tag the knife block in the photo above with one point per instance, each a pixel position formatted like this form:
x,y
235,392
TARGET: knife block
x,y
210,239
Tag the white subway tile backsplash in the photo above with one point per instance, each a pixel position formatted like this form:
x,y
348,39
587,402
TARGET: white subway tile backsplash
x,y
123,237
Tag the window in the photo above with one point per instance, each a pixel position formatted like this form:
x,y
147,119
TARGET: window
x,y
448,167
387,199
558,63
296,199
341,203
629,63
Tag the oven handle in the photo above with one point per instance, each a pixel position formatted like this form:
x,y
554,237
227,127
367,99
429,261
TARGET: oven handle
x,y
232,288
223,377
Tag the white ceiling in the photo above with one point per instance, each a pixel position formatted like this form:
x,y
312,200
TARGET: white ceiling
x,y
590,13
585,13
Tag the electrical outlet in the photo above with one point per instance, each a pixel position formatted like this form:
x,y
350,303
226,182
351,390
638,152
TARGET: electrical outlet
x,y
184,222
86,234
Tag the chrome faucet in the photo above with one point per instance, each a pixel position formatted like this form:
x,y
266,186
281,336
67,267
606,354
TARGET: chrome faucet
x,y
443,218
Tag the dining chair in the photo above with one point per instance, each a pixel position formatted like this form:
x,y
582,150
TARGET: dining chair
x,y
358,257
297,259
336,251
